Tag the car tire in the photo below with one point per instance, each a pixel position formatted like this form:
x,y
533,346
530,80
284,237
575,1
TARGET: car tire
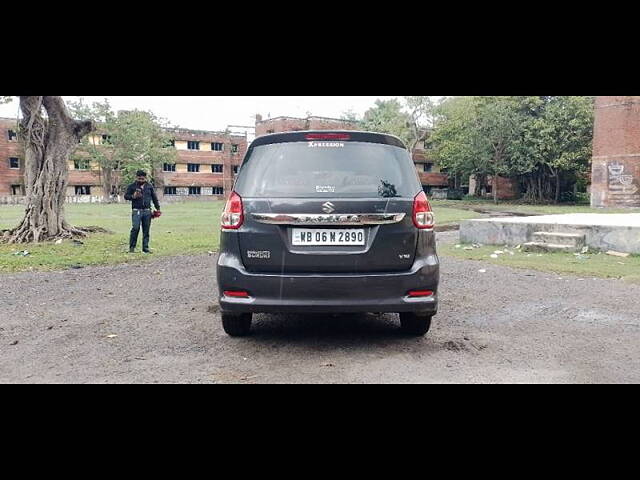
x,y
236,325
414,324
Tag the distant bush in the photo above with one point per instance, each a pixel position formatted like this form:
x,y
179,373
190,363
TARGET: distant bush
x,y
473,198
579,198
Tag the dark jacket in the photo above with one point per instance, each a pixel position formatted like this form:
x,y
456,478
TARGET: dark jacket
x,y
148,195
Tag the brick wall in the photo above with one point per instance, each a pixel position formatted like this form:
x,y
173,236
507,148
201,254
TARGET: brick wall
x,y
289,124
508,188
205,157
8,149
615,180
434,179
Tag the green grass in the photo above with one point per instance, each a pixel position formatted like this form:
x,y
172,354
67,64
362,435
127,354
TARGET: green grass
x,y
184,228
523,208
446,215
589,265
193,228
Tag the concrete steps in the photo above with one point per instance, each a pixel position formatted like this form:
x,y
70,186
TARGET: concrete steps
x,y
555,242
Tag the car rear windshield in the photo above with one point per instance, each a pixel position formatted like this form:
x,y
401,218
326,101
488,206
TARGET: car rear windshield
x,y
327,169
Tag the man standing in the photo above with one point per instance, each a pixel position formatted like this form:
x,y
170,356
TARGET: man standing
x,y
141,194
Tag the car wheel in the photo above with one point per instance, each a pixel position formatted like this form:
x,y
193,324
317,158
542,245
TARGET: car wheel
x,y
236,325
415,324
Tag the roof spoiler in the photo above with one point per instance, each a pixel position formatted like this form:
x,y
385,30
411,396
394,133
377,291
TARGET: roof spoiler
x,y
353,136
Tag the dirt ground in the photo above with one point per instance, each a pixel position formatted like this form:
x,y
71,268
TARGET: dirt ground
x,y
505,325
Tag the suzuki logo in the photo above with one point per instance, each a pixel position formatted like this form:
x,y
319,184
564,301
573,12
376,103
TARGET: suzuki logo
x,y
328,207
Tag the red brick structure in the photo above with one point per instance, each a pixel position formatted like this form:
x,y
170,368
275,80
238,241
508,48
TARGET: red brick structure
x,y
213,156
428,170
615,180
219,151
508,188
11,178
289,124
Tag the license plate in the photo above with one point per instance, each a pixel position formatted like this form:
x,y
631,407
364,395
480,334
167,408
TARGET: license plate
x,y
318,236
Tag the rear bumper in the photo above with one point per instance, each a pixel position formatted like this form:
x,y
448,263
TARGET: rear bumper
x,y
328,293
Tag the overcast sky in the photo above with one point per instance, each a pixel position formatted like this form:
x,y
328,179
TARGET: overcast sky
x,y
215,113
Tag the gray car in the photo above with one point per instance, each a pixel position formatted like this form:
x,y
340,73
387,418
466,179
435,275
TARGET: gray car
x,y
327,222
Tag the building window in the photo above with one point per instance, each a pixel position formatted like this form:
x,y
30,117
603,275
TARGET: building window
x,y
194,190
81,164
216,168
83,190
217,146
235,169
14,162
169,167
234,148
16,190
193,167
193,145
12,135
218,190
428,167
170,191
106,139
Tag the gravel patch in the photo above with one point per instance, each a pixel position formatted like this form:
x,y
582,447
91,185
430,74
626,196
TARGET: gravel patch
x,y
158,322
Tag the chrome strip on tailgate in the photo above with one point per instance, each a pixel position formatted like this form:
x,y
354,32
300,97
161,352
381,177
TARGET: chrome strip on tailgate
x,y
322,219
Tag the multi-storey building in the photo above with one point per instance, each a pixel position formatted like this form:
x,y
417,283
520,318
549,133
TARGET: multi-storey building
x,y
431,176
289,124
11,159
429,172
206,165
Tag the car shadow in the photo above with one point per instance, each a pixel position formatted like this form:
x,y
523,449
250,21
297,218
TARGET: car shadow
x,y
331,330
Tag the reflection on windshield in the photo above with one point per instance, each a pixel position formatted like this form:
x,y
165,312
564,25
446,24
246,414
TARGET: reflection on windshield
x,y
355,170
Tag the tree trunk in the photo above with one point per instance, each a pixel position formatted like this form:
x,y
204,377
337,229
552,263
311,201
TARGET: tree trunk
x,y
480,181
47,146
106,175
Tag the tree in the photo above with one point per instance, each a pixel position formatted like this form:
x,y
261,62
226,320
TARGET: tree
x,y
409,120
557,138
387,117
129,141
543,141
49,135
350,116
421,112
499,127
459,142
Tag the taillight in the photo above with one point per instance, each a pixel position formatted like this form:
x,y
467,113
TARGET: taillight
x,y
236,293
420,293
422,214
232,216
327,136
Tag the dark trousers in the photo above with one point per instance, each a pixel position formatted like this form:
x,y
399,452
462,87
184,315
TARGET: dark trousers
x,y
140,218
